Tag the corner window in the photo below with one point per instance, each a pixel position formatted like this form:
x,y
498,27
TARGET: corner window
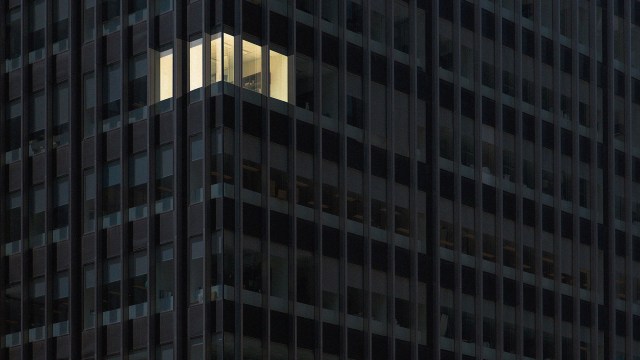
x,y
222,58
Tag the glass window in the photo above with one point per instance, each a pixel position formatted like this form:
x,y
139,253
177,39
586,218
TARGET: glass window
x,y
37,211
13,39
138,284
278,76
378,21
164,178
138,87
163,6
401,26
60,25
89,103
89,195
110,16
222,58
196,270
61,210
13,131
195,170
88,21
61,304
37,21
138,179
251,66
137,11
112,276
165,80
13,230
195,69
89,296
36,313
61,114
354,16
37,120
111,194
112,92
196,349
304,82
165,352
13,319
164,278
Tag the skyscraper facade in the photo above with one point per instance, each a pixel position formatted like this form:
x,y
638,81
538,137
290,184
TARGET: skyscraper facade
x,y
328,179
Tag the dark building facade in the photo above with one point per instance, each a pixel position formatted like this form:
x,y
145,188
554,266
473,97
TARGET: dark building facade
x,y
328,179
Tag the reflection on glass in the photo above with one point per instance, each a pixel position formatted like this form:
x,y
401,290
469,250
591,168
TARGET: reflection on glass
x,y
195,64
278,65
222,58
251,66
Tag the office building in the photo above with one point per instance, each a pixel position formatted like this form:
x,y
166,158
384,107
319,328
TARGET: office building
x,y
328,179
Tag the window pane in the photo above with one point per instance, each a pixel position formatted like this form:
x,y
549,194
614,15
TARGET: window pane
x,y
111,95
196,270
278,77
251,66
195,170
37,208
195,64
13,38
164,279
165,80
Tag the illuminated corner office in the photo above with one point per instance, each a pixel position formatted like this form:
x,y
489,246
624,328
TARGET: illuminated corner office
x,y
319,179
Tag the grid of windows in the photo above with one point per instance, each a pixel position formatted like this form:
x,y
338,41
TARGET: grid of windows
x,y
320,179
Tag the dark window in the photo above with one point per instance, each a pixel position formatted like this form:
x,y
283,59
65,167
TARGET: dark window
x,y
565,59
488,24
446,9
547,51
528,43
547,135
508,33
305,137
467,15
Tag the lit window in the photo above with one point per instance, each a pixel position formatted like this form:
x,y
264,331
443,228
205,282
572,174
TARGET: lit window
x,y
165,77
251,66
195,64
222,58
279,69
